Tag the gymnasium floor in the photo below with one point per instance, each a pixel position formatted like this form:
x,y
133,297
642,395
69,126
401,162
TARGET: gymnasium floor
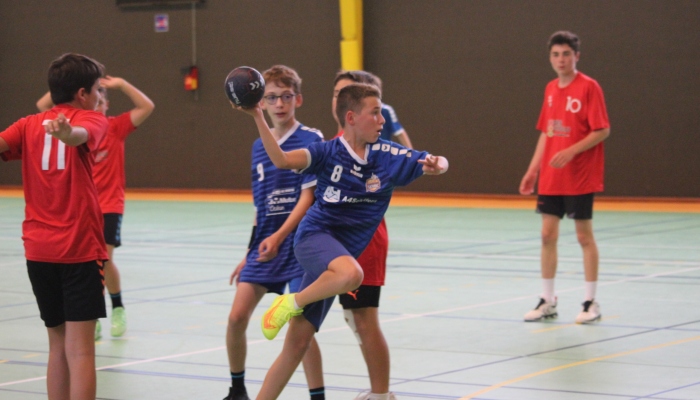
x,y
462,272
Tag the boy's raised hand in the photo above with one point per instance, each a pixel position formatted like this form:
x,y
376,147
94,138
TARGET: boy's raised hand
x,y
111,82
252,111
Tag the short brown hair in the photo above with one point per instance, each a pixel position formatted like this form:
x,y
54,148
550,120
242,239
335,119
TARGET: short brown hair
x,y
70,72
352,97
282,75
359,77
564,37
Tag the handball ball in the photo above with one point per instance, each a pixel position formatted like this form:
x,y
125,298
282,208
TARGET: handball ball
x,y
244,87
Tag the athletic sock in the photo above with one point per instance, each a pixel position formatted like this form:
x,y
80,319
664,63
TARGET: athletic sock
x,y
296,306
318,393
116,300
237,381
548,290
591,289
377,396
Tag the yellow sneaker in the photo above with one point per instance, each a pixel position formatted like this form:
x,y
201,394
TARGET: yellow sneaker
x,y
279,313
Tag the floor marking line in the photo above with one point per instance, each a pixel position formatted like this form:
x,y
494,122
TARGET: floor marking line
x,y
576,364
405,317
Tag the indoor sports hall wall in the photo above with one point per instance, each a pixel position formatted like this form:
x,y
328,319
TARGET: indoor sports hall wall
x,y
465,77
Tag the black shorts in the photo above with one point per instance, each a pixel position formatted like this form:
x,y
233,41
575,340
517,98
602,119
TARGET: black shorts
x,y
113,229
574,207
362,297
68,292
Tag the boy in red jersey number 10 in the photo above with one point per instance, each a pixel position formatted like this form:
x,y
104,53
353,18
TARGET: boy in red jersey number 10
x,y
569,159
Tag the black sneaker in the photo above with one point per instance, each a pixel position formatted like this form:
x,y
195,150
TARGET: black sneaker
x,y
237,395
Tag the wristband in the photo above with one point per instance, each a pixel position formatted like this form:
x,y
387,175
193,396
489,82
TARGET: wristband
x,y
252,236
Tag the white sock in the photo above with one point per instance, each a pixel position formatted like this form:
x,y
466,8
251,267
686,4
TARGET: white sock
x,y
375,396
548,290
590,290
296,306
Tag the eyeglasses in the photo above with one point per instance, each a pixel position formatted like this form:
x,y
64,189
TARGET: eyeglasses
x,y
271,99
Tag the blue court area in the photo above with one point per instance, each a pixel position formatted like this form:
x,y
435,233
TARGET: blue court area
x,y
458,285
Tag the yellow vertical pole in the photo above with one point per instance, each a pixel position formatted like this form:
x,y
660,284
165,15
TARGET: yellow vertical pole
x,y
351,33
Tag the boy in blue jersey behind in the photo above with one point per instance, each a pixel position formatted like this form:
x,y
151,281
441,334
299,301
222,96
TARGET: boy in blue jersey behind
x,y
281,198
356,175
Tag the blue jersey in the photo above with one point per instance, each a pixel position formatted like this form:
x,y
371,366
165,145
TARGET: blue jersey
x,y
353,194
275,193
392,126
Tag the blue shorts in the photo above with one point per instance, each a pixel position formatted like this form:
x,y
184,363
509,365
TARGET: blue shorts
x,y
295,284
278,287
315,252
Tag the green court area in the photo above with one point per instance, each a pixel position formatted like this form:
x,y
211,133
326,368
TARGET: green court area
x,y
459,281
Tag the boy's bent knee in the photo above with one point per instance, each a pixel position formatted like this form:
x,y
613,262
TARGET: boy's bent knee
x,y
237,320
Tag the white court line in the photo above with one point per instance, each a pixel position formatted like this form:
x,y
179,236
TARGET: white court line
x,y
402,318
418,254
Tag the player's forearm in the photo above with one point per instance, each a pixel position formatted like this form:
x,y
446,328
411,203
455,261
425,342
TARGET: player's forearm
x,y
306,199
536,160
77,136
137,97
272,148
404,140
143,106
590,140
45,103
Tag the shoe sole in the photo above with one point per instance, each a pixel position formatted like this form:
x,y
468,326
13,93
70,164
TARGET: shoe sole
x,y
118,334
544,317
588,321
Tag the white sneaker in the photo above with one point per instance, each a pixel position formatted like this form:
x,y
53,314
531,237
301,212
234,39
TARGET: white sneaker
x,y
544,310
368,395
590,312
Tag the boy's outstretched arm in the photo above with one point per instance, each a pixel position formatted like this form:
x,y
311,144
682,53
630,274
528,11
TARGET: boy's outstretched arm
x,y
3,146
269,247
62,130
295,159
434,165
143,106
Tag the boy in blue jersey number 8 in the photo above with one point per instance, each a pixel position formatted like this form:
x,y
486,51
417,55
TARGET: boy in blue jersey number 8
x,y
356,175
281,198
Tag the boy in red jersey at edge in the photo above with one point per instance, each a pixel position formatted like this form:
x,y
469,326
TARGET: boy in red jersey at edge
x,y
110,181
361,306
569,158
62,230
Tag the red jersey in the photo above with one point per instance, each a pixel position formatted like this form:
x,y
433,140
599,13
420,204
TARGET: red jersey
x,y
568,115
373,258
63,223
108,172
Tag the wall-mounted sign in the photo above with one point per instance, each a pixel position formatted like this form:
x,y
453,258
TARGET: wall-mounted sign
x,y
162,23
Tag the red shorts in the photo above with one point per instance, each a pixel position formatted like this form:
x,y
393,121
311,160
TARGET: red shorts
x,y
373,259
